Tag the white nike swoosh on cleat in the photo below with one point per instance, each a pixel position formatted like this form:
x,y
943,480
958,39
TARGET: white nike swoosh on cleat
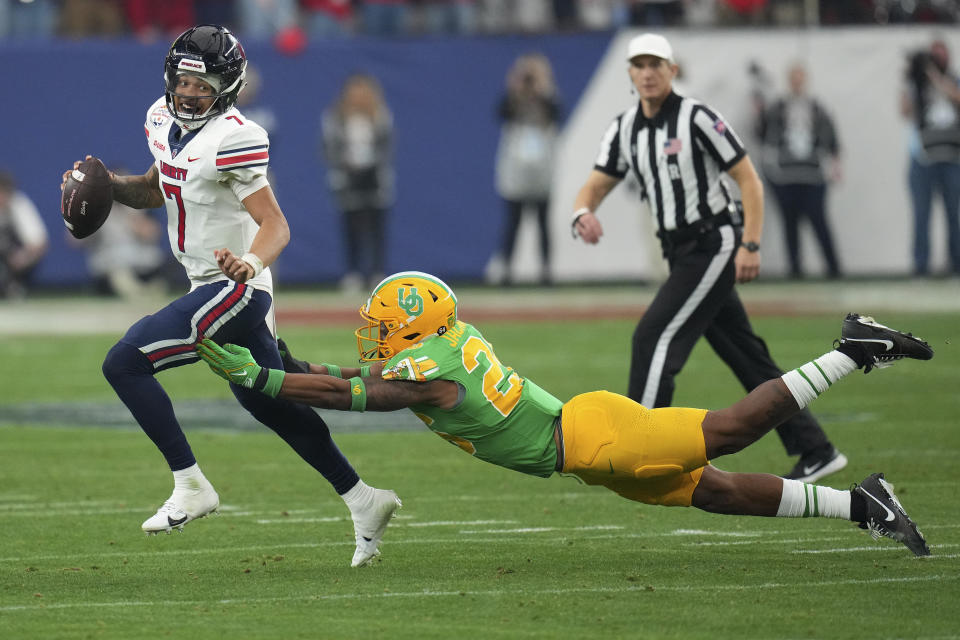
x,y
888,343
890,517
808,470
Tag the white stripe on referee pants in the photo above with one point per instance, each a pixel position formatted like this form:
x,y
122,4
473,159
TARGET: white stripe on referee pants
x,y
710,276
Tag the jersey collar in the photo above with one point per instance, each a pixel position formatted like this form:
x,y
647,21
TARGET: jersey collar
x,y
178,139
671,104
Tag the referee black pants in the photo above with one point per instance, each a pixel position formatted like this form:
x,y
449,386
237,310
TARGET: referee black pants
x,y
699,299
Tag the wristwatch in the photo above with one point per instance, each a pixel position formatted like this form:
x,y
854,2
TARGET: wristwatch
x,y
752,247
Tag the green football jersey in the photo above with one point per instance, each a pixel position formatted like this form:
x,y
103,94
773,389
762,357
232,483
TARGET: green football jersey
x,y
501,418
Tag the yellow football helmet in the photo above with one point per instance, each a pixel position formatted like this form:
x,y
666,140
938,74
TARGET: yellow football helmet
x,y
403,310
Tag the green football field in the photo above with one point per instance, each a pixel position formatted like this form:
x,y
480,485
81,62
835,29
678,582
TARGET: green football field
x,y
477,551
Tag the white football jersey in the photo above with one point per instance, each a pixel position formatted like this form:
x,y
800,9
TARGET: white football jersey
x,y
204,186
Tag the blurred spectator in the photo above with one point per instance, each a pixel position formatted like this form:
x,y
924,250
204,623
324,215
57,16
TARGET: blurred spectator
x,y
263,19
327,18
498,16
913,11
930,100
656,13
384,17
602,14
565,14
734,12
151,20
23,19
701,13
84,18
761,90
800,154
529,113
23,238
215,12
124,256
357,135
448,16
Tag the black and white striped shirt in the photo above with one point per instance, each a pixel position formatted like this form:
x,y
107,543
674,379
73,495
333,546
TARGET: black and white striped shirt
x,y
677,156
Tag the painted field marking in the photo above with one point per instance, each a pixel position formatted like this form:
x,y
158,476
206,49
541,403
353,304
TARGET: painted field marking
x,y
455,539
595,527
456,523
486,593
732,543
873,548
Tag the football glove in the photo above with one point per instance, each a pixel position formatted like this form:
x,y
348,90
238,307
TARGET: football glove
x,y
236,365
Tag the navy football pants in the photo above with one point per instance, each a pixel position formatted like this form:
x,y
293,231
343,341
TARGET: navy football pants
x,y
223,311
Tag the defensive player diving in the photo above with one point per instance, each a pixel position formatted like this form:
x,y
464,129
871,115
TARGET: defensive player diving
x,y
428,360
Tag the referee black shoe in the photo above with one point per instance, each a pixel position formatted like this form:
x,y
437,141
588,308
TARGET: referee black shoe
x,y
885,515
882,346
817,463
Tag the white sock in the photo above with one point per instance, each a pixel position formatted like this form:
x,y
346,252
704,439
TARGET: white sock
x,y
358,496
801,500
189,479
813,378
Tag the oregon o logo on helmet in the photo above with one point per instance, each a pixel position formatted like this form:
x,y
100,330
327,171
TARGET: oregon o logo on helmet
x,y
412,303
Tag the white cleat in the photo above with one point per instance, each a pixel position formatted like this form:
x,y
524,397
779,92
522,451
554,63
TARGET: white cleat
x,y
183,506
370,524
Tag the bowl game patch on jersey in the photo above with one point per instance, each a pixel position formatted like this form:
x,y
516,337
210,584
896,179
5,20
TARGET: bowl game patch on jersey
x,y
411,368
159,117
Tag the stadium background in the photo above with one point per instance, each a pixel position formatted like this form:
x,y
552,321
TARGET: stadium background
x,y
65,99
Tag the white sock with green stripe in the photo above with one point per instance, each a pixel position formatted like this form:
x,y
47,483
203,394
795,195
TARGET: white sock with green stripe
x,y
801,500
813,378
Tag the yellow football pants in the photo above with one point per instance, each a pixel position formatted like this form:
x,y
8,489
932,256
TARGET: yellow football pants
x,y
654,456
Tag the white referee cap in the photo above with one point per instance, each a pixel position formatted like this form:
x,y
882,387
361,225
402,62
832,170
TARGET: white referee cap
x,y
650,44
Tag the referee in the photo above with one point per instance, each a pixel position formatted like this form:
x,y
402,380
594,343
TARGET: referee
x,y
677,148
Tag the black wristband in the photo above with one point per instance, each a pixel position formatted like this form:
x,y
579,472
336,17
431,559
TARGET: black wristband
x,y
261,380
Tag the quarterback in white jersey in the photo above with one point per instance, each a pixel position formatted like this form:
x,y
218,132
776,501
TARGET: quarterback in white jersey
x,y
226,228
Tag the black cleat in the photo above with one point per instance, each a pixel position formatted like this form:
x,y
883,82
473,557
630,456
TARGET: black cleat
x,y
883,345
886,517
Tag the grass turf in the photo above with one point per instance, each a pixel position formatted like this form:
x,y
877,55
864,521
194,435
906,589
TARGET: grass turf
x,y
477,550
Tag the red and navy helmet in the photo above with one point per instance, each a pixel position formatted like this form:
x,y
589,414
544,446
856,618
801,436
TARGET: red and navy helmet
x,y
210,52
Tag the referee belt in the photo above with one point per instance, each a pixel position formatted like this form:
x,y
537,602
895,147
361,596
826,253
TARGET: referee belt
x,y
695,230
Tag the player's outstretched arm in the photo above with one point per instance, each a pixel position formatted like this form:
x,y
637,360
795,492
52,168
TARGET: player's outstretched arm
x,y
235,364
292,364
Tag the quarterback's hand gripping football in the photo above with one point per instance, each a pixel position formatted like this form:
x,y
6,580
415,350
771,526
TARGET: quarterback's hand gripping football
x,y
236,364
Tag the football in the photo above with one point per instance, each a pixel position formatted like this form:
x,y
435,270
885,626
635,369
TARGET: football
x,y
87,198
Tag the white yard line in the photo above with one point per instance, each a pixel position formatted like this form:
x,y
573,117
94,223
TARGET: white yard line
x,y
872,548
616,533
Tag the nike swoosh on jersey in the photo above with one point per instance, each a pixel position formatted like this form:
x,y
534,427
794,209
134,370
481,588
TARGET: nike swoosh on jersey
x,y
890,517
887,343
189,159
